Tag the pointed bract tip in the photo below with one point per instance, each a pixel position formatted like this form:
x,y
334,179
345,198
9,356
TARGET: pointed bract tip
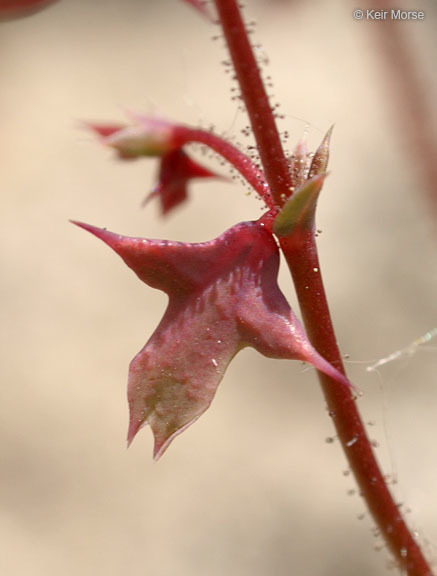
x,y
163,441
196,170
134,426
102,130
109,238
88,227
324,366
201,7
328,135
311,356
146,200
159,449
320,159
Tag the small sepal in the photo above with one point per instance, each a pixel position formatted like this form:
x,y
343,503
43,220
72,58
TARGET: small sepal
x,y
299,210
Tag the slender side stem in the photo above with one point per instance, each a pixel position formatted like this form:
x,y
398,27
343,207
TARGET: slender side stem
x,y
301,256
256,100
184,135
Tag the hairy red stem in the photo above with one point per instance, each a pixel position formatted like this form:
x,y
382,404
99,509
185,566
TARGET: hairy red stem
x,y
241,162
304,264
302,259
256,100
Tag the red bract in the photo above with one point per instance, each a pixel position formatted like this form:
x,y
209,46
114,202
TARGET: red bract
x,y
149,136
223,296
175,172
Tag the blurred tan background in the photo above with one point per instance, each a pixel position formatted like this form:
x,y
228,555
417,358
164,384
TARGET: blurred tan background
x,y
252,488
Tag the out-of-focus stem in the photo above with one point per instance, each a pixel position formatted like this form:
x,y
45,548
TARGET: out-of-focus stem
x,y
408,94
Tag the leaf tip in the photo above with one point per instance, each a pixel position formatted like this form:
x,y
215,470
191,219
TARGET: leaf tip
x,y
114,241
163,440
99,232
134,426
320,160
315,359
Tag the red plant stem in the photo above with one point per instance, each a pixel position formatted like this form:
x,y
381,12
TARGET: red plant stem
x,y
256,100
241,162
302,259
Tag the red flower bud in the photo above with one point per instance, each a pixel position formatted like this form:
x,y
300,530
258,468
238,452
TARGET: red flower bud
x,y
147,136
